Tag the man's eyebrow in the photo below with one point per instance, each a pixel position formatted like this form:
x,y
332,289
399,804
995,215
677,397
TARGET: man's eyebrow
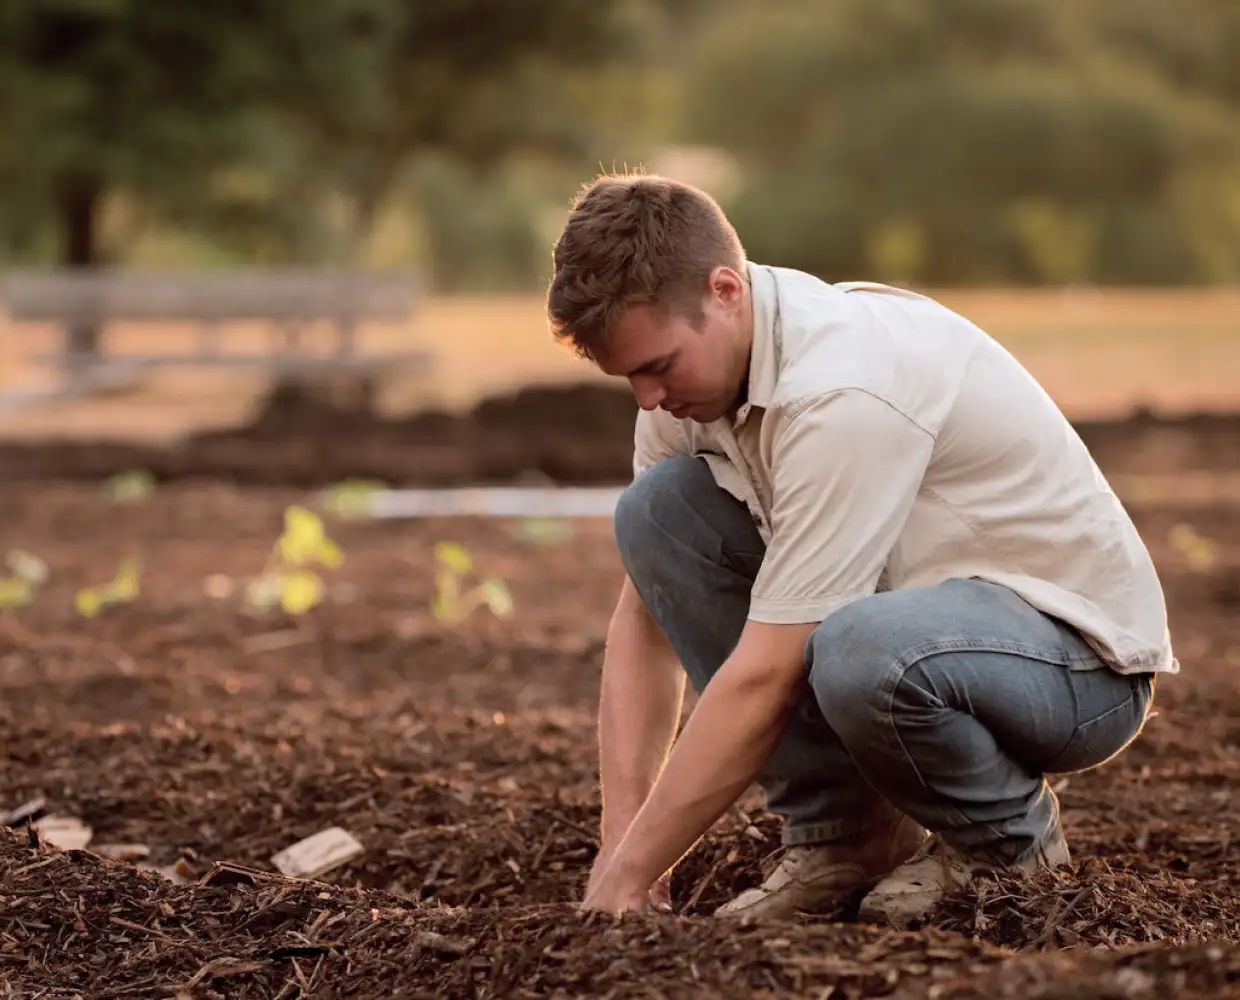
x,y
652,363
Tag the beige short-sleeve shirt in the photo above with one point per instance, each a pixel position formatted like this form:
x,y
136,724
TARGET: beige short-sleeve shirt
x,y
887,442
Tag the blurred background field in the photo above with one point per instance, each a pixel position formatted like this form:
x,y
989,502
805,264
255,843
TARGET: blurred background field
x,y
1100,353
1065,174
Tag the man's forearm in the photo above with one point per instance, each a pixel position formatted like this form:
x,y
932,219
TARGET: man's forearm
x,y
639,708
734,729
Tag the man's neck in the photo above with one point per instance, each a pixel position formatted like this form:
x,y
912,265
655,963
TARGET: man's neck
x,y
744,350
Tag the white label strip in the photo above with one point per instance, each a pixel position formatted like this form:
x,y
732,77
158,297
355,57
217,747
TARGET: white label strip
x,y
500,501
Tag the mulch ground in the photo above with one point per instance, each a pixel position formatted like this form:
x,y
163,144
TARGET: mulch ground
x,y
463,761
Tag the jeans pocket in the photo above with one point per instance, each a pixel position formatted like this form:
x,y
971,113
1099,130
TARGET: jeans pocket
x,y
1101,738
746,563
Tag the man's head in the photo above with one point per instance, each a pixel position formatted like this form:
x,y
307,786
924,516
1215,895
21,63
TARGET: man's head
x,y
650,283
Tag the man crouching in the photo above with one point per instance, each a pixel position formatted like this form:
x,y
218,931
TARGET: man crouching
x,y
876,548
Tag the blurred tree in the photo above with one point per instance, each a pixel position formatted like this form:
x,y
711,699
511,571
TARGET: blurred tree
x,y
979,140
367,83
481,229
97,95
279,124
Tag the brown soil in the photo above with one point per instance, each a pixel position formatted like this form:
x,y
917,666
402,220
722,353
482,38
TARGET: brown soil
x,y
304,436
463,760
311,436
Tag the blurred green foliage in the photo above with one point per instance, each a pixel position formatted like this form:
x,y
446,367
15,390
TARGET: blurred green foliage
x,y
273,131
928,141
980,141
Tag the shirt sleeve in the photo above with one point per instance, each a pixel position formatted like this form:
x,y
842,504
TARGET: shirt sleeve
x,y
846,468
653,443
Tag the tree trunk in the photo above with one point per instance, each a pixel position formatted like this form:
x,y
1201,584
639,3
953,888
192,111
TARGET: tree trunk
x,y
78,206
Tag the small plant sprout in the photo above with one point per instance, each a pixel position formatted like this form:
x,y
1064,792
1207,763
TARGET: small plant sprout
x,y
288,581
130,487
121,589
544,531
28,574
1197,550
353,498
453,602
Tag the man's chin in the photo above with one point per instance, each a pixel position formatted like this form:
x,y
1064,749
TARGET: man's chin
x,y
703,414
697,412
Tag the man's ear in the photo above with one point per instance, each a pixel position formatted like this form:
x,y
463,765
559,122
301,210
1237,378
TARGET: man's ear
x,y
727,286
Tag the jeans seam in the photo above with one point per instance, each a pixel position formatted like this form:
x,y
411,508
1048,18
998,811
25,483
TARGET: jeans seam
x,y
894,676
962,645
1127,703
899,669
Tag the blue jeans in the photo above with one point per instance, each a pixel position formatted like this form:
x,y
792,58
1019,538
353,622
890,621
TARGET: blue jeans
x,y
948,703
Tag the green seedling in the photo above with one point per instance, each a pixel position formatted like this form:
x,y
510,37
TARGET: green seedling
x,y
544,531
1144,489
121,589
29,573
287,580
1197,550
130,487
454,602
353,497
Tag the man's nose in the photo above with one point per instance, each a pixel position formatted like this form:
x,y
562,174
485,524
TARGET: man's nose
x,y
648,391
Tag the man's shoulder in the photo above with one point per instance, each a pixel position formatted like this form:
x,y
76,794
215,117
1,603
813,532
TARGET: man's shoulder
x,y
826,345
794,283
891,343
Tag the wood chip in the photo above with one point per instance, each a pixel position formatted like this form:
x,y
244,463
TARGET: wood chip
x,y
64,832
122,852
227,873
166,871
222,968
25,812
444,945
270,642
184,869
318,854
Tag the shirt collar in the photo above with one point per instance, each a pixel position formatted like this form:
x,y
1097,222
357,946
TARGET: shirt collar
x,y
764,352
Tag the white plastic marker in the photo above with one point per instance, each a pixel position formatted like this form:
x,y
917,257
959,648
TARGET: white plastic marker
x,y
485,501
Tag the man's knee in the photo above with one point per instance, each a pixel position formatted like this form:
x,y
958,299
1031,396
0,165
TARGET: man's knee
x,y
653,505
857,655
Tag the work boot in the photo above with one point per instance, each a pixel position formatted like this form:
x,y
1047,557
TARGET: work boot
x,y
809,875
906,896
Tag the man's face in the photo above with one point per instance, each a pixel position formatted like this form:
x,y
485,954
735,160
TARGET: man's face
x,y
693,372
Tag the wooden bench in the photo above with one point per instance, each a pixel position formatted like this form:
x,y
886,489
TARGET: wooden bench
x,y
83,303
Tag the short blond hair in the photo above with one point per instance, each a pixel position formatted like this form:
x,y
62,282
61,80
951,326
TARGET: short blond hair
x,y
636,239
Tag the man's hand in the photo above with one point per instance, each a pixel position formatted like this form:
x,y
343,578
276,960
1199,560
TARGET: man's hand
x,y
659,894
610,891
729,736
